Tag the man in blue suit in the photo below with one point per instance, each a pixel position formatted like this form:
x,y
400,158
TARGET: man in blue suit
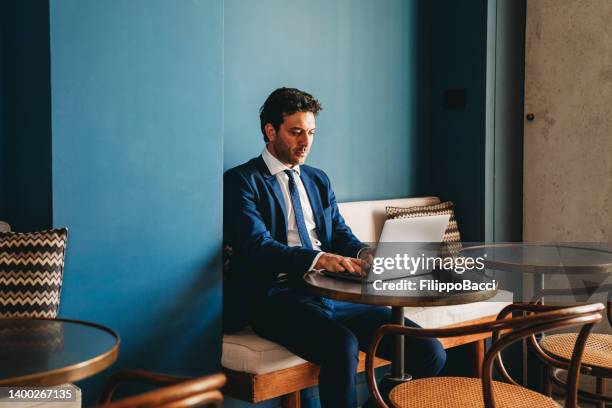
x,y
282,220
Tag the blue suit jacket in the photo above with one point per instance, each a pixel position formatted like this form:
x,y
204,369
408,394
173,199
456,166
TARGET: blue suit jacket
x,y
255,225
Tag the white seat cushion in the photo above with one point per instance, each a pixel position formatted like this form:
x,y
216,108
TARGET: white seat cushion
x,y
439,316
247,352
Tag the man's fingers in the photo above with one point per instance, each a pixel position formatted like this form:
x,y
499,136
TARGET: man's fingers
x,y
356,261
337,263
357,266
347,264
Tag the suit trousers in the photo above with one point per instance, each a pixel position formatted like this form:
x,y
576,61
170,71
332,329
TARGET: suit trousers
x,y
330,333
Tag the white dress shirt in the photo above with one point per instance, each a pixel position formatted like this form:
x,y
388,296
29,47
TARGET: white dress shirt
x,y
277,169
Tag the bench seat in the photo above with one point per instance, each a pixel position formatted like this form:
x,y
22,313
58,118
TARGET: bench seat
x,y
247,352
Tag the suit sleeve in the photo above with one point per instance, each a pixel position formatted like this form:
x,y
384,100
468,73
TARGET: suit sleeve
x,y
344,242
249,235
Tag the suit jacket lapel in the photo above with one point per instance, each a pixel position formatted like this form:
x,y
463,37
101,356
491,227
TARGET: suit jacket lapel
x,y
317,206
276,190
278,195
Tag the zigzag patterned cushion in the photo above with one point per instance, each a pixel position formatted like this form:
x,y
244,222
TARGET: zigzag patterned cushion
x,y
31,268
451,239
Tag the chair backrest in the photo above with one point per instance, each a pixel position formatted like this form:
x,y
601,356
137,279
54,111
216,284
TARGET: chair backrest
x,y
198,392
505,332
31,272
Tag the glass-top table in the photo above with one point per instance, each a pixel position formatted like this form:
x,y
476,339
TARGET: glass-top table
x,y
545,258
586,262
48,352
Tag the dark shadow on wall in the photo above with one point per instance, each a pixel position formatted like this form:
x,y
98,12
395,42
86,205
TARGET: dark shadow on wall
x,y
457,92
422,55
25,115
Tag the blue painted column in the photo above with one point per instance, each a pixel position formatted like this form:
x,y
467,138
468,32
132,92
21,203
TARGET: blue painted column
x,y
137,159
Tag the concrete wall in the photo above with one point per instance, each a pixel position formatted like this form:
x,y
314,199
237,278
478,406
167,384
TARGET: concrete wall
x,y
568,145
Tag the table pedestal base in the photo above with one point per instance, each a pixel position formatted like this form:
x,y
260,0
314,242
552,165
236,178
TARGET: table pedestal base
x,y
397,374
388,382
390,379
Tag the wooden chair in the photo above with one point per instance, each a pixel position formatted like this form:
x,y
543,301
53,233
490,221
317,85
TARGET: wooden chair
x,y
555,350
178,392
484,392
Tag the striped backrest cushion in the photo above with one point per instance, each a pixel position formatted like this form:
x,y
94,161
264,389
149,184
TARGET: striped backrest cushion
x,y
451,238
31,268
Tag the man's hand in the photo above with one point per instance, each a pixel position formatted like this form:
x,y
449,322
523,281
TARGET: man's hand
x,y
338,263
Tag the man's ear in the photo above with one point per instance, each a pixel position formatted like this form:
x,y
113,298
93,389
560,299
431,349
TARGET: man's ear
x,y
270,132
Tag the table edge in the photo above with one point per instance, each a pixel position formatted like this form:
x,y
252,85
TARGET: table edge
x,y
545,269
72,372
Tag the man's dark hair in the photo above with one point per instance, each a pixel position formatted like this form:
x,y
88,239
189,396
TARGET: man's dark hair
x,y
283,102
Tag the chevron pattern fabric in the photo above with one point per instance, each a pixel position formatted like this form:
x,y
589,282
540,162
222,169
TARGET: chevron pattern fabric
x,y
31,268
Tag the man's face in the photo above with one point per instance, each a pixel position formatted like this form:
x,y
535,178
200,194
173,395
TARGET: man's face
x,y
291,144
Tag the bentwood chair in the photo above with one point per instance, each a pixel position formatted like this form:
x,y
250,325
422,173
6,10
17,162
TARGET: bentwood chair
x,y
555,350
484,392
177,392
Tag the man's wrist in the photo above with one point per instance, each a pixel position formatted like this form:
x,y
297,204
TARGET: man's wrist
x,y
314,262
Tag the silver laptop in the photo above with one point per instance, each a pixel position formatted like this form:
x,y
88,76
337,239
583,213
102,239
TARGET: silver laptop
x,y
425,233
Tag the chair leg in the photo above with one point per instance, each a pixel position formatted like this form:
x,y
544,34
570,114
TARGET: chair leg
x,y
601,390
547,381
291,400
479,352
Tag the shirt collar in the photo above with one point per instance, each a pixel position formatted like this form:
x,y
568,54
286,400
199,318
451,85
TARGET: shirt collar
x,y
275,166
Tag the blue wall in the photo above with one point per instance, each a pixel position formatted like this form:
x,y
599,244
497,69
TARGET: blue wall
x,y
137,91
380,69
142,132
361,59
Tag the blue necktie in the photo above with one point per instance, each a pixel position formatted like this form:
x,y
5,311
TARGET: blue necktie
x,y
297,210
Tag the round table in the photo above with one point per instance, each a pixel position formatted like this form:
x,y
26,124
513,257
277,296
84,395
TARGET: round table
x,y
542,259
365,293
48,352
